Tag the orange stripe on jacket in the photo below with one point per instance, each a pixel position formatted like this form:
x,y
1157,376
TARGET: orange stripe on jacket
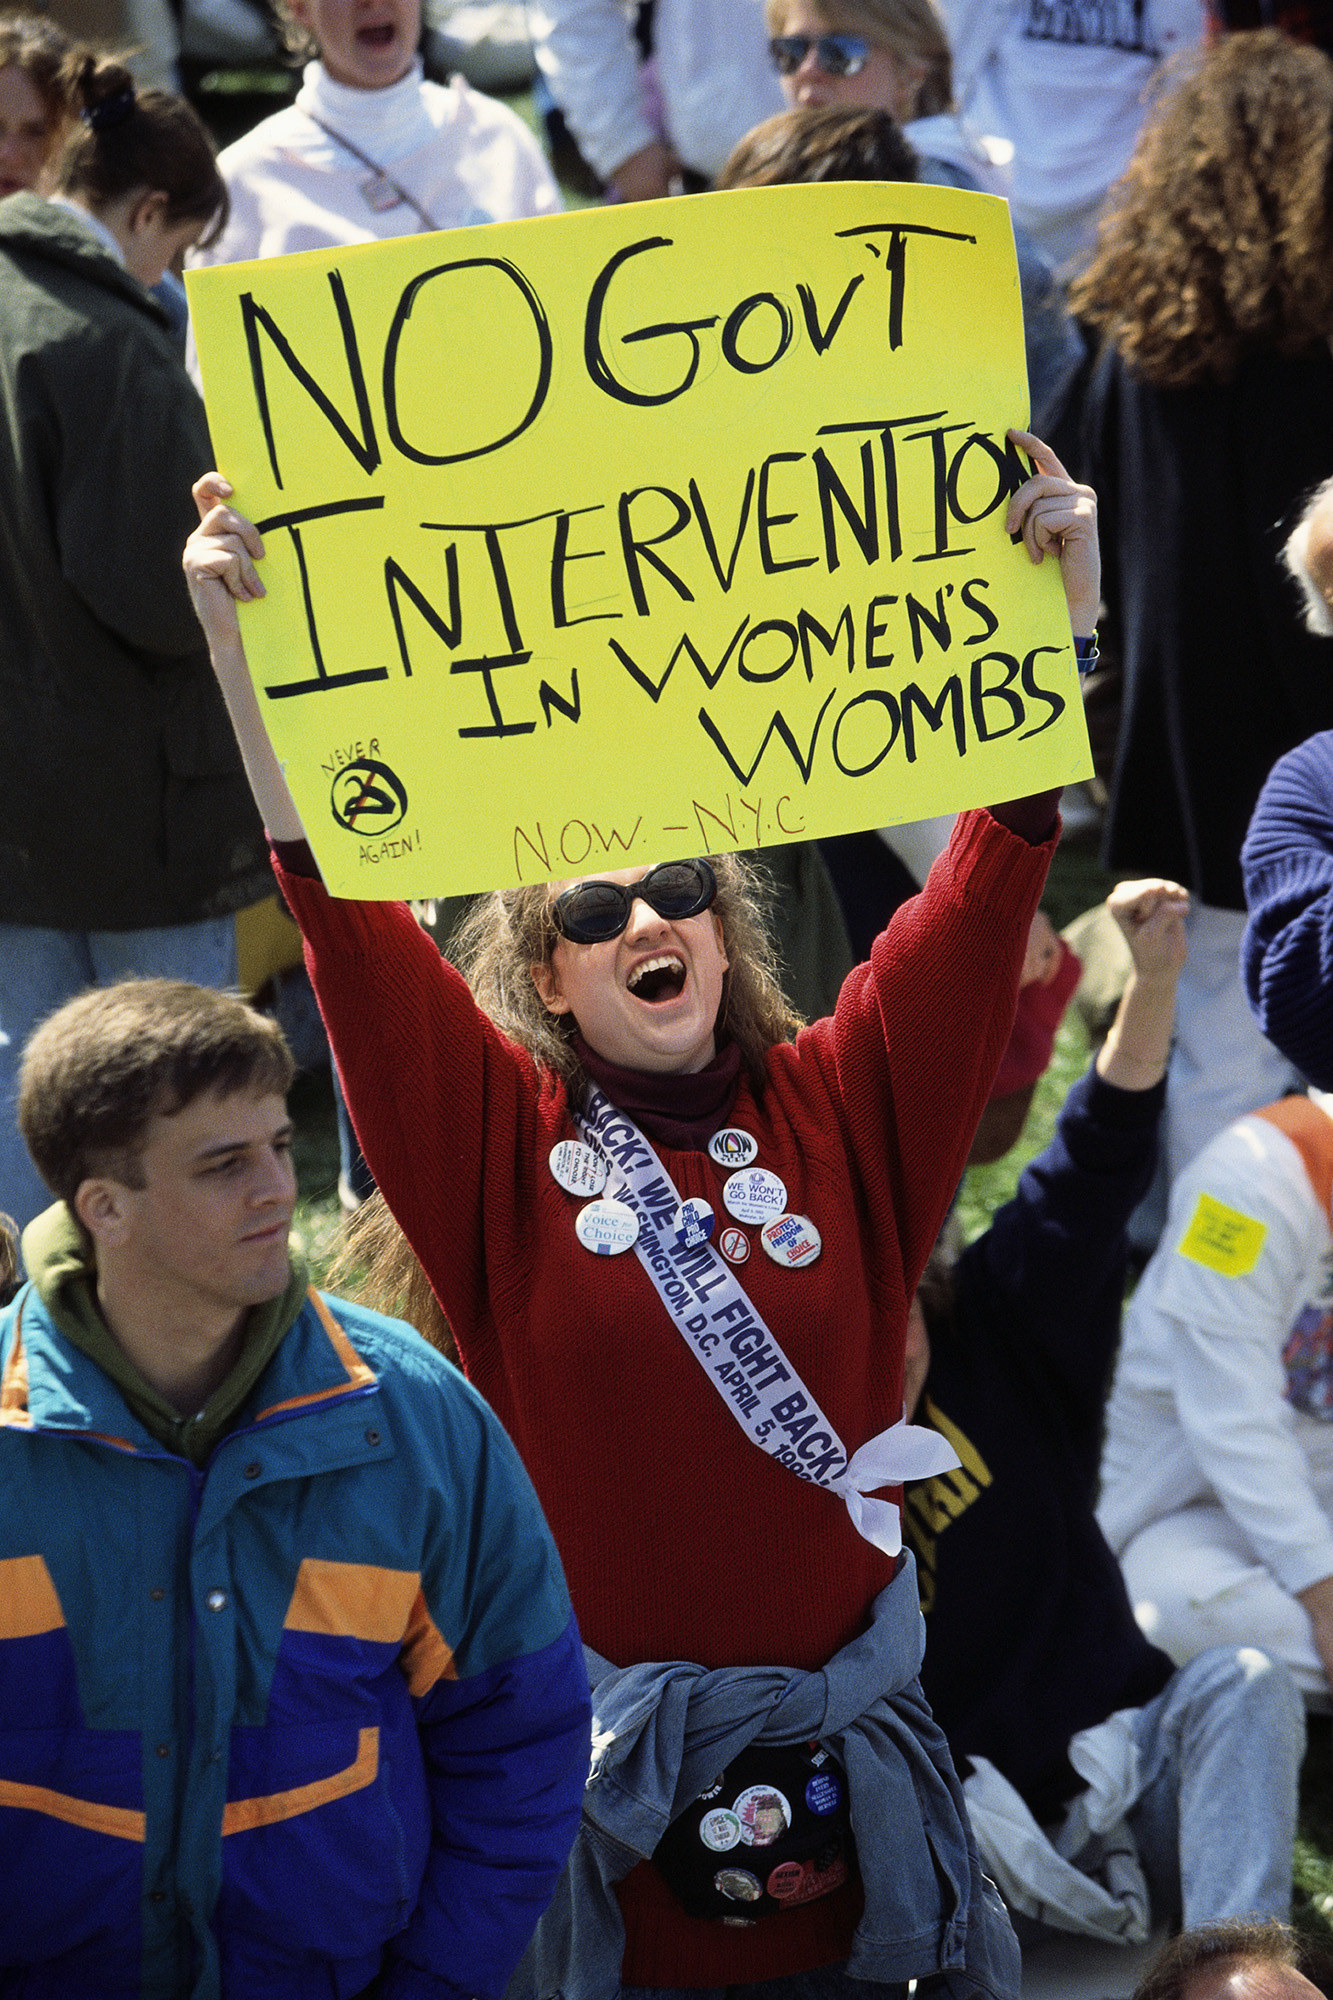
x,y
14,1388
1310,1131
29,1603
352,1600
426,1657
244,1815
360,1374
118,1821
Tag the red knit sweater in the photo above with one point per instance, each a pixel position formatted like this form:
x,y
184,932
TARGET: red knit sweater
x,y
680,1539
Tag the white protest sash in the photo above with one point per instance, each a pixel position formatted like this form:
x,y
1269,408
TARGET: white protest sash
x,y
739,1354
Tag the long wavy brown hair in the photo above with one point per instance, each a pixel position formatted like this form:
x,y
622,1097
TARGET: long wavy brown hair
x,y
1218,240
495,948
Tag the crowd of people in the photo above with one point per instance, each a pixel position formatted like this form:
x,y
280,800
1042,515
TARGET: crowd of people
x,y
452,1631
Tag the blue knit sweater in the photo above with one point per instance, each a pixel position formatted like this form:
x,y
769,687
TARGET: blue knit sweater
x,y
1287,862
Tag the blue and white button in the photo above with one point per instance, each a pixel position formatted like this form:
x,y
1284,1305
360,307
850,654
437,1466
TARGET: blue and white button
x,y
578,1168
607,1227
755,1195
694,1223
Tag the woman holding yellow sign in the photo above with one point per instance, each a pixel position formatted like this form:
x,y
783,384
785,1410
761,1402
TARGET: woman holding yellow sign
x,y
709,1420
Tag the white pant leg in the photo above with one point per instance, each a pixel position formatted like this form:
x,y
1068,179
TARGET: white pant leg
x,y
1194,1582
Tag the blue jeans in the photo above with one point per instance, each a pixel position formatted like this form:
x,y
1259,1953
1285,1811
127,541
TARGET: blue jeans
x,y
827,1982
41,969
1220,1752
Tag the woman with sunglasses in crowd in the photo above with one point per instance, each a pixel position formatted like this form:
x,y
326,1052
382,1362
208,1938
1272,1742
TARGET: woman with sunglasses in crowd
x,y
789,1182
893,55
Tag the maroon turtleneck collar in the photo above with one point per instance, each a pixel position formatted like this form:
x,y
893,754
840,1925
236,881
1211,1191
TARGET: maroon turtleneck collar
x,y
678,1111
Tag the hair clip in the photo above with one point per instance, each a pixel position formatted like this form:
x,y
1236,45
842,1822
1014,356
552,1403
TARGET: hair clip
x,y
110,111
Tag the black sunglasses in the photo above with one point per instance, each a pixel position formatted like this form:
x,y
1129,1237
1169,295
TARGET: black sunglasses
x,y
837,55
591,912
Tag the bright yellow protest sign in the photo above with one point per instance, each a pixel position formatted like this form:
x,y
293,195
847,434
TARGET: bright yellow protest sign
x,y
640,531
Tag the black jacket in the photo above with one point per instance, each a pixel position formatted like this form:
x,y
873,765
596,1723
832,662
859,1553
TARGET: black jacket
x,y
123,804
1029,1632
1199,489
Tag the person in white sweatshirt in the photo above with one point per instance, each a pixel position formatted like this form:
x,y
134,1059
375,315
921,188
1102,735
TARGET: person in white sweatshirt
x,y
1217,1471
370,149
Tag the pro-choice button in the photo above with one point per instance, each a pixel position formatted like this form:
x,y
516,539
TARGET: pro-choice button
x,y
607,1227
755,1195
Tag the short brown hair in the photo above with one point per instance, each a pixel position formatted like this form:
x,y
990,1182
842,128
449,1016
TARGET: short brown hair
x,y
103,1065
1235,1944
125,140
912,30
831,142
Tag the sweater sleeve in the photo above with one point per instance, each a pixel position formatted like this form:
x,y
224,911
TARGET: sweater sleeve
x,y
1056,1253
920,1028
444,1105
1287,862
587,54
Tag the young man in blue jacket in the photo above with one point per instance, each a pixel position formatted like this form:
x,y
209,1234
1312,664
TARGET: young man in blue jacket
x,y
292,1700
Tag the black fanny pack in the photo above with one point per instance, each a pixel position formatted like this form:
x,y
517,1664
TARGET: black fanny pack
x,y
774,1831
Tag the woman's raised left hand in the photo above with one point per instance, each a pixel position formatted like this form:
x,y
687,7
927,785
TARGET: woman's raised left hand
x,y
1058,517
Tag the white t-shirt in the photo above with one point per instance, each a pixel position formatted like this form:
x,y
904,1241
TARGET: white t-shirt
x,y
460,155
1223,1388
1065,84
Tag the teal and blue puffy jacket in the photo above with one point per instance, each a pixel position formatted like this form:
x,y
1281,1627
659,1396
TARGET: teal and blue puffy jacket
x,y
270,1726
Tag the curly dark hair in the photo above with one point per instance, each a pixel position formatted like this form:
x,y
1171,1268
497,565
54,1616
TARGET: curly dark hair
x,y
1218,240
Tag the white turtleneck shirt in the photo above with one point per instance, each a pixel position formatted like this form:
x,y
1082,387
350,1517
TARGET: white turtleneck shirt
x,y
463,157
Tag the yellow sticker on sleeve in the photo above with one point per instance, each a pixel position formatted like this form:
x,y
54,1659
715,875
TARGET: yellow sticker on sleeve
x,y
1223,1239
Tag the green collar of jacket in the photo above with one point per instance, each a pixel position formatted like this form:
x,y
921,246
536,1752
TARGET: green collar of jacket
x,y
64,1277
33,227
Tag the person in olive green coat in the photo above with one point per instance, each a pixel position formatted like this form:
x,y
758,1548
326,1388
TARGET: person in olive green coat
x,y
127,836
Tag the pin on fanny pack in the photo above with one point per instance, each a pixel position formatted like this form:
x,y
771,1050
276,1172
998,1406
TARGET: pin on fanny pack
x,y
773,1831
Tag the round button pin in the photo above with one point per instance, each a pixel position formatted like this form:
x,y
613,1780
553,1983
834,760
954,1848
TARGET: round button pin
x,y
720,1830
755,1195
577,1168
734,1245
694,1222
792,1240
731,1147
607,1227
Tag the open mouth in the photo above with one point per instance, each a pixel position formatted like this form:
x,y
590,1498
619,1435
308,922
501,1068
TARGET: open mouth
x,y
658,979
379,37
